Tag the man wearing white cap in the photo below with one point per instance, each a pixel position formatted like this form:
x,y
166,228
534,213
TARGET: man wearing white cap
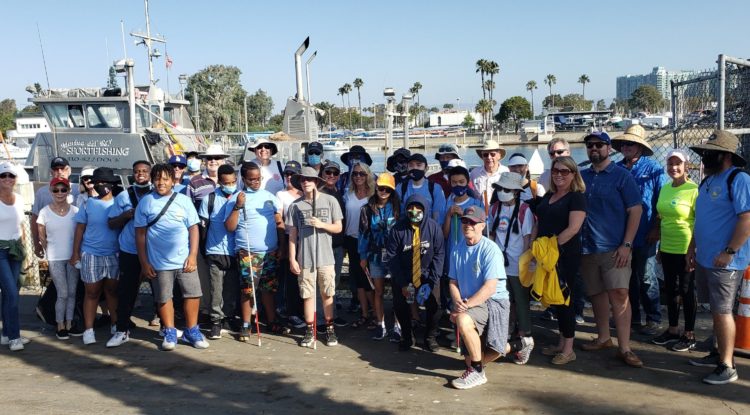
x,y
272,174
483,177
531,188
202,185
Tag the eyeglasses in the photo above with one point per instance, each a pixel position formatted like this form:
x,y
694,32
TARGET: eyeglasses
x,y
488,154
561,172
264,147
59,190
214,158
467,221
331,172
598,145
557,152
314,153
385,189
7,175
358,174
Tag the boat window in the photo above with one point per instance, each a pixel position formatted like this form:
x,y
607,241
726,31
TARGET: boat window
x,y
143,118
57,114
169,115
75,112
103,116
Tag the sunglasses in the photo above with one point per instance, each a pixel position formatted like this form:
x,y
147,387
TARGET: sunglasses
x,y
561,172
598,145
314,153
358,174
331,172
214,158
627,144
467,221
289,173
385,189
7,175
264,147
557,152
59,190
179,166
489,154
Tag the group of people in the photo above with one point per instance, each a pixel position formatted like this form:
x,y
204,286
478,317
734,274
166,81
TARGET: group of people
x,y
216,240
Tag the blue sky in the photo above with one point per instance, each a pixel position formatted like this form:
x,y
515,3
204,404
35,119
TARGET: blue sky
x,y
386,43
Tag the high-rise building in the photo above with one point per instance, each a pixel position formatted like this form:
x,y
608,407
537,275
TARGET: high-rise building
x,y
659,78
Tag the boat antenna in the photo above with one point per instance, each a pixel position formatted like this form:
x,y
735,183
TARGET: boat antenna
x,y
122,33
44,60
146,40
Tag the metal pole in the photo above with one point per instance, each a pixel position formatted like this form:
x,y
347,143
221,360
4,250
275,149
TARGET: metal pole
x,y
131,95
197,112
405,102
307,75
244,107
674,114
148,46
722,90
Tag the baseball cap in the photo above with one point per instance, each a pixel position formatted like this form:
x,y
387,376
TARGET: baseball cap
x,y
59,180
315,146
418,157
517,160
475,214
679,154
292,166
600,135
59,162
178,159
7,167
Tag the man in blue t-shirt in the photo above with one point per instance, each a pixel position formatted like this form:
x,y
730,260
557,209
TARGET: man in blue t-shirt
x,y
481,305
613,212
224,283
720,250
256,212
166,235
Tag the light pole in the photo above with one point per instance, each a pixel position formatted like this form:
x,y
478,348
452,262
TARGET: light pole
x,y
244,107
307,75
405,100
374,116
183,81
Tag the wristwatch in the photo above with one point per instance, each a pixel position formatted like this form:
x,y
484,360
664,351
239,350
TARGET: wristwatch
x,y
729,251
627,245
237,207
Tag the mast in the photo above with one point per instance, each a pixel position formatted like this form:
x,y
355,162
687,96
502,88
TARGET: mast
x,y
147,40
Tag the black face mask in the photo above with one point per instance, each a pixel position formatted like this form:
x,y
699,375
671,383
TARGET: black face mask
x,y
416,174
103,189
712,160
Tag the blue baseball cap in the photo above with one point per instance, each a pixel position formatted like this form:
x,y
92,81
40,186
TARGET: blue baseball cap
x,y
178,159
600,135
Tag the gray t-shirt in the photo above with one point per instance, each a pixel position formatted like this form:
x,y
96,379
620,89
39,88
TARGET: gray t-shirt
x,y
43,197
327,209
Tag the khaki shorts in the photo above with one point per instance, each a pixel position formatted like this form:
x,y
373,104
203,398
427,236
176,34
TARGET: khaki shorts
x,y
599,273
326,278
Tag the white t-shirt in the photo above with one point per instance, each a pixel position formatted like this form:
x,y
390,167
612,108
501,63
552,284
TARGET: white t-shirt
x,y
515,242
286,199
271,177
60,231
353,208
11,217
483,181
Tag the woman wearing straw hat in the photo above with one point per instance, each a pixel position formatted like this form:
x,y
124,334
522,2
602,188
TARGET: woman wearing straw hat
x,y
483,177
271,173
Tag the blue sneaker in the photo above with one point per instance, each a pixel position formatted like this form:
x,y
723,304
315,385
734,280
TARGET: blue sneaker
x,y
170,339
194,337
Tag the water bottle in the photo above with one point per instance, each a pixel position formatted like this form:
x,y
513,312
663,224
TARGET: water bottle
x,y
410,294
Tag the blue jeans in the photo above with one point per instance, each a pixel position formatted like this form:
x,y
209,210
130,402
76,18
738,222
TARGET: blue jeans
x,y
9,272
644,286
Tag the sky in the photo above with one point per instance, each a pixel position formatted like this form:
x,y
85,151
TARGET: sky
x,y
385,43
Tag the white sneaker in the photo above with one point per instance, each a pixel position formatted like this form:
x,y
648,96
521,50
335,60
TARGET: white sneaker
x,y
16,344
5,341
89,337
118,339
470,378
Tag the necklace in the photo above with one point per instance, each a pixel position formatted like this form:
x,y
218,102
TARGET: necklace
x,y
60,210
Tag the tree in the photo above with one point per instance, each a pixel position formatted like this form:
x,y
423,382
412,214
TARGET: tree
x,y
484,106
434,109
414,90
259,107
448,106
7,114
342,92
551,80
469,121
601,105
583,80
550,99
481,67
575,102
112,80
513,110
347,89
646,98
322,119
358,84
531,86
220,95
492,69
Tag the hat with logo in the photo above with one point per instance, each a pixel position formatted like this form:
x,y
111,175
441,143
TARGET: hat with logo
x,y
59,162
315,146
59,180
599,135
178,159
474,214
293,167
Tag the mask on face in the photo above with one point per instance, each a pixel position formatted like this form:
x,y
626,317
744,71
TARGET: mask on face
x,y
249,189
401,167
103,189
504,196
142,186
460,190
194,164
712,161
228,190
444,164
415,216
416,174
313,159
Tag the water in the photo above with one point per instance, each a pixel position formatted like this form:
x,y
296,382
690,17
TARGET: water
x,y
469,155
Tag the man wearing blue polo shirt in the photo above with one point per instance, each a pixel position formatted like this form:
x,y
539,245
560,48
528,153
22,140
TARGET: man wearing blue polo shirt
x,y
613,212
720,250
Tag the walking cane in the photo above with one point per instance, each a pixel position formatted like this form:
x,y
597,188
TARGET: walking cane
x,y
455,240
315,278
252,276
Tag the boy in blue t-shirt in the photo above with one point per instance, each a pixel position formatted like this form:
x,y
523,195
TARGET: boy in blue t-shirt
x,y
418,184
166,232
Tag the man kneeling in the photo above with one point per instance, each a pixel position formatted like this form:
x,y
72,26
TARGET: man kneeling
x,y
481,306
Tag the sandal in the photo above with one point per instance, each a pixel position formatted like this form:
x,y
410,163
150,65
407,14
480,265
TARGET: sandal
x,y
361,322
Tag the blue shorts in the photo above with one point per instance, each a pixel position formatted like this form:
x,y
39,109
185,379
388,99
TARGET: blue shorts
x,y
377,269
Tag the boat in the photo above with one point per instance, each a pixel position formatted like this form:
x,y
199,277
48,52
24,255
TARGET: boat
x,y
335,146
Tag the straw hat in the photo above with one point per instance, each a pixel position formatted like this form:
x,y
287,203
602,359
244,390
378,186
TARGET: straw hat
x,y
307,172
214,150
491,145
509,180
634,134
722,141
260,141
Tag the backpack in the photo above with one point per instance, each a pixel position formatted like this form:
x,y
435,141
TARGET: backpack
x,y
519,213
204,229
730,180
430,186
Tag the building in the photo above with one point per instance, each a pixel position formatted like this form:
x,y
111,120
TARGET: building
x,y
27,127
452,118
659,78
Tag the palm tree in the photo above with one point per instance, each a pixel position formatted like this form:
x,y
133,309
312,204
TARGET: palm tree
x,y
358,84
481,65
551,80
484,107
347,89
492,69
583,80
415,91
531,86
342,92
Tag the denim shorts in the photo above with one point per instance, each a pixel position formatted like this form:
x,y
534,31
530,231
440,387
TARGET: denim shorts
x,y
377,269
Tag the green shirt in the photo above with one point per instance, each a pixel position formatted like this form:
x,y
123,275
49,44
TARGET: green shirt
x,y
676,208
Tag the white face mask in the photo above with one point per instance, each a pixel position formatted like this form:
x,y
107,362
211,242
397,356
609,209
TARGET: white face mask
x,y
504,196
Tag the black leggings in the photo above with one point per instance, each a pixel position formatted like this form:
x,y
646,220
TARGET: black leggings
x,y
567,270
351,244
679,287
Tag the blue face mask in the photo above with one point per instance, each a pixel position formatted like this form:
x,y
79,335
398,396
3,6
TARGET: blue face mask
x,y
460,190
194,164
313,159
228,189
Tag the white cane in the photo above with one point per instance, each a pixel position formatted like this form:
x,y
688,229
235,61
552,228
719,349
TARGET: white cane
x,y
252,275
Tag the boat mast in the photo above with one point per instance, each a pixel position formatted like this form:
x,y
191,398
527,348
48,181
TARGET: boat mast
x,y
146,40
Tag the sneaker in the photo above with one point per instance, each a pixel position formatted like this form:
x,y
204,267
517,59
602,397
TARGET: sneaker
x,y
75,331
244,335
431,345
684,344
89,337
721,375
579,319
396,335
523,355
307,341
710,360
379,333
194,337
17,344
298,323
469,379
215,333
5,341
118,339
177,335
331,339
665,338
339,322
62,334
650,328
548,315
170,338
278,328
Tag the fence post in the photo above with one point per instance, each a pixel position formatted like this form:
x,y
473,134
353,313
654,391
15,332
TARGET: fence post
x,y
674,114
722,92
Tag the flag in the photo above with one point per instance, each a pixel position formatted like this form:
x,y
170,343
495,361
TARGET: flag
x,y
168,62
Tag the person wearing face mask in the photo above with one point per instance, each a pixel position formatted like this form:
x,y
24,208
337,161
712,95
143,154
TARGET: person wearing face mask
x,y
224,282
532,189
314,155
397,164
444,155
121,219
415,255
194,165
356,154
85,186
511,223
95,247
417,184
